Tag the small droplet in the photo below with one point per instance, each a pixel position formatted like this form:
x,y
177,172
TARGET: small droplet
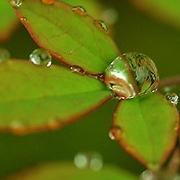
x,y
16,3
77,69
110,16
41,57
101,25
131,75
23,19
173,98
147,175
90,160
79,10
114,132
49,2
4,55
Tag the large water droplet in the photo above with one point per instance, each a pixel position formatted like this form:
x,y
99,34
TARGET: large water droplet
x,y
77,69
79,10
101,25
4,55
132,74
49,2
16,3
41,57
93,161
173,98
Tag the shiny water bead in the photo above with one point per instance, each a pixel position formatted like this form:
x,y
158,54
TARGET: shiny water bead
x,y
41,57
131,75
101,25
77,69
79,10
173,98
16,3
4,55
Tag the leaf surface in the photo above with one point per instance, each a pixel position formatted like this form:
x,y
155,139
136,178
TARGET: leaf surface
x,y
69,34
37,98
8,19
147,128
68,171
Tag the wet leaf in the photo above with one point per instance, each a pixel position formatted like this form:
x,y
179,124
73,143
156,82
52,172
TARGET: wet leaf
x,y
166,10
8,20
147,128
93,7
69,34
37,97
68,171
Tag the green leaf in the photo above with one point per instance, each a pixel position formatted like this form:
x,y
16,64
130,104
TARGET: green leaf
x,y
70,35
67,171
37,98
166,10
147,128
8,20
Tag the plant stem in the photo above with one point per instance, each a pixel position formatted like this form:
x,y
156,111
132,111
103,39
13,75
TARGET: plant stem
x,y
171,81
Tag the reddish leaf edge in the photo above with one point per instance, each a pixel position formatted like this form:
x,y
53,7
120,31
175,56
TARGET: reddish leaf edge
x,y
133,153
57,124
37,40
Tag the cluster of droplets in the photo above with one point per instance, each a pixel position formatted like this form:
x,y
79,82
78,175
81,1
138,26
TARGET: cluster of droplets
x,y
41,57
94,161
132,74
4,55
16,3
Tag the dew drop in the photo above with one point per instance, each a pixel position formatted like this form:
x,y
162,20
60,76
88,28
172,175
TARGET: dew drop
x,y
101,25
49,2
23,19
79,10
41,57
131,75
94,161
77,69
173,98
147,175
4,55
115,132
16,3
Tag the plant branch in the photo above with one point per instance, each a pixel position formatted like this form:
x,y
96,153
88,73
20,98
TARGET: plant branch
x,y
171,81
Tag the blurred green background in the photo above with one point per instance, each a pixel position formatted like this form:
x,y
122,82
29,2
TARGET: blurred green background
x,y
133,31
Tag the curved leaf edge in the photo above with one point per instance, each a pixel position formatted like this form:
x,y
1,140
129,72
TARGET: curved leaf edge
x,y
37,40
129,150
21,131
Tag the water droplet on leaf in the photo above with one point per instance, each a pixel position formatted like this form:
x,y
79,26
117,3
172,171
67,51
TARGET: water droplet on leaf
x,y
101,25
79,10
41,57
16,3
131,75
23,19
4,55
173,98
49,2
93,161
147,175
77,69
114,132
